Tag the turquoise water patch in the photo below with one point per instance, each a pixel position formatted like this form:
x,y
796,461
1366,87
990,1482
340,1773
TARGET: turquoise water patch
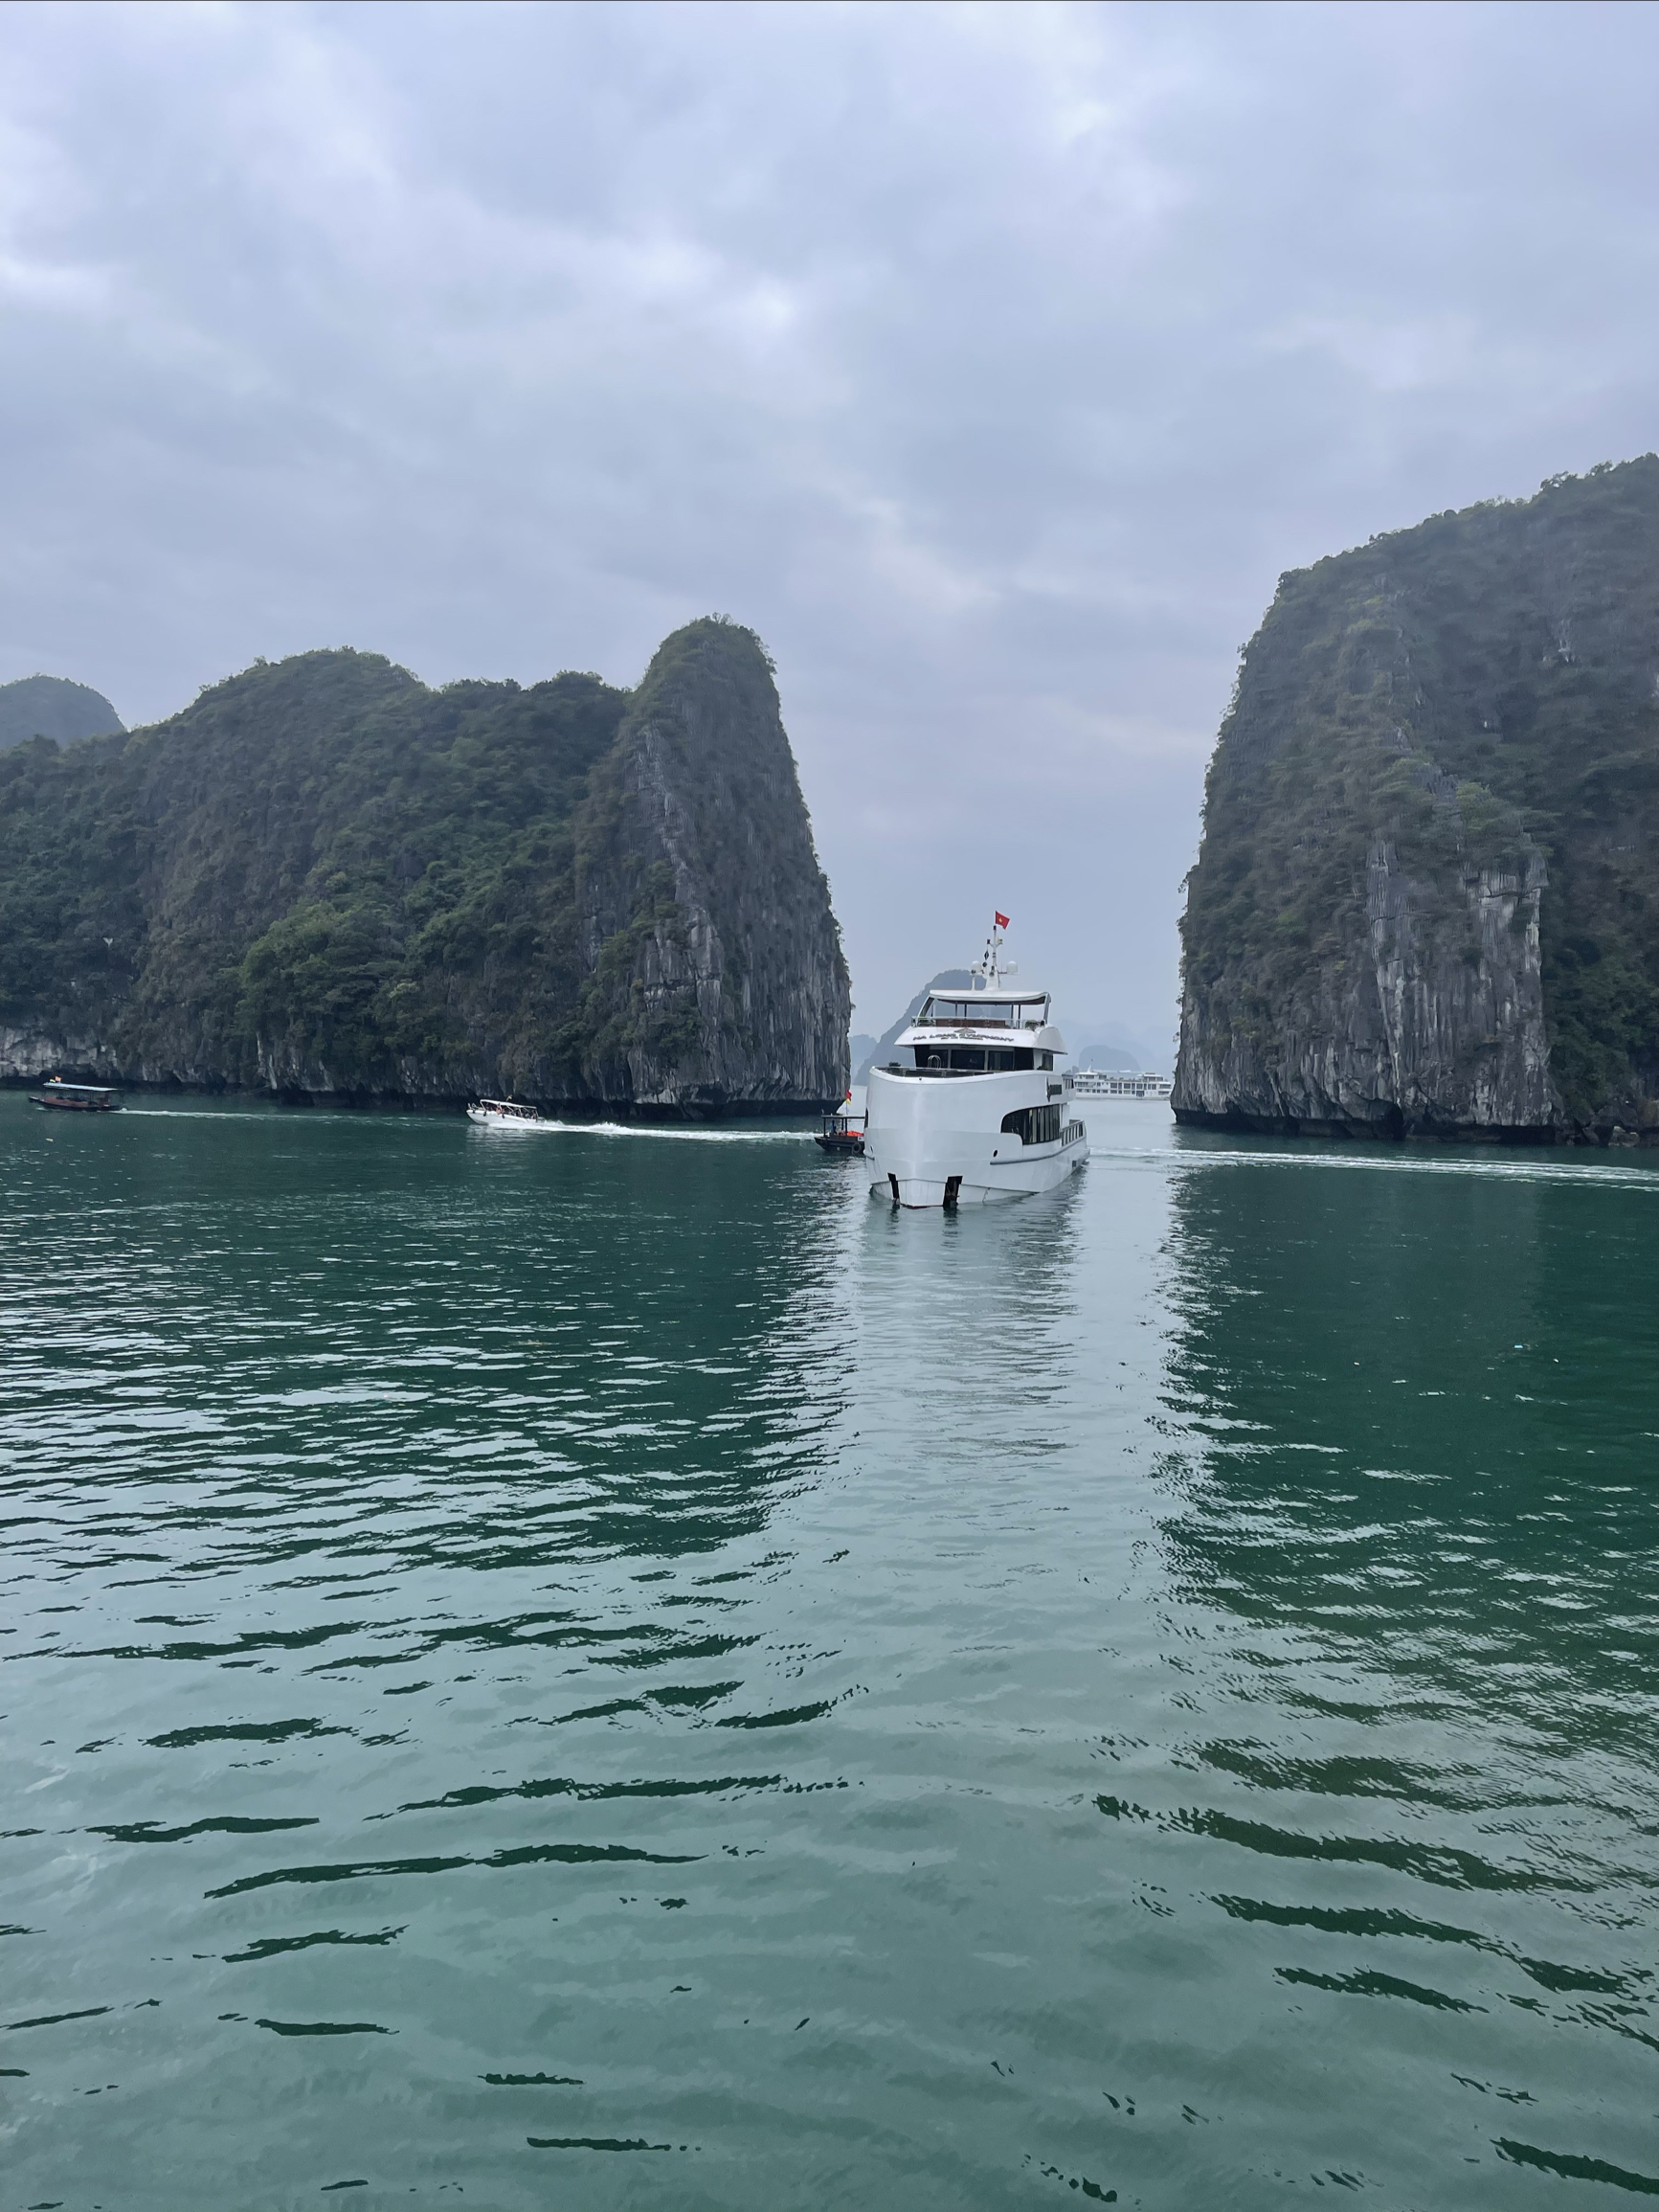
x,y
661,1679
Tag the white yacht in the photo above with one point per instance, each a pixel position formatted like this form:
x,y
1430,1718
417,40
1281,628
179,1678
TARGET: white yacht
x,y
973,1105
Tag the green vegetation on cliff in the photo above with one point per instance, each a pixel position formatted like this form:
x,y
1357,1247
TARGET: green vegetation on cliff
x,y
1473,700
322,876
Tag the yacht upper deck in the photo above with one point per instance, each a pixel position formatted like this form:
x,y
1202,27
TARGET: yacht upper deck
x,y
984,1009
979,1032
991,1028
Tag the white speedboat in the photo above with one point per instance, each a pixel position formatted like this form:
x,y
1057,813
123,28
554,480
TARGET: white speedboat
x,y
974,1106
505,1113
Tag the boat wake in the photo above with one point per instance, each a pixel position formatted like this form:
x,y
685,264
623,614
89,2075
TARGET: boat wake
x,y
648,1129
1580,1169
662,1133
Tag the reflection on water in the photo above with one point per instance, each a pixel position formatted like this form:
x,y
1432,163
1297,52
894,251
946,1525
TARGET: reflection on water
x,y
1447,1405
1418,1467
612,1667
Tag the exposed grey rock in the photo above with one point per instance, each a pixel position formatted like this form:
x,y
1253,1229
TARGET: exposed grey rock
x,y
1410,1035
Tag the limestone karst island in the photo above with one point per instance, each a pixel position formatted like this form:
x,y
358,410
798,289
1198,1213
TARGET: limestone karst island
x,y
1428,898
324,879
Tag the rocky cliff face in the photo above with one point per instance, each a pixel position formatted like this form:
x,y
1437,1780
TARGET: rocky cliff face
x,y
324,878
736,990
1427,898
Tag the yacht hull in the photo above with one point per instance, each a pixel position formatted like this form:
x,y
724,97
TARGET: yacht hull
x,y
942,1144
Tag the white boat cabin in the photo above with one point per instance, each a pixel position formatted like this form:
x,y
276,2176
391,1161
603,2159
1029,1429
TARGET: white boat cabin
x,y
979,1032
501,1112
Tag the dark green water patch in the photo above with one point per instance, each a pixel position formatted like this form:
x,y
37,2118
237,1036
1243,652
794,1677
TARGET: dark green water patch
x,y
1369,1982
1573,2168
532,2081
277,1946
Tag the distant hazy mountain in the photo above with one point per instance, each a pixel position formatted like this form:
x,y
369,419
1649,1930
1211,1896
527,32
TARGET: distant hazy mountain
x,y
53,707
1111,1057
1101,1044
860,1049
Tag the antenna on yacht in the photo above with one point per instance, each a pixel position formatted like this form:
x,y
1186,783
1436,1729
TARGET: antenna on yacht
x,y
993,946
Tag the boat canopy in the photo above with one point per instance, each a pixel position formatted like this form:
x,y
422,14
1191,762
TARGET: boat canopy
x,y
987,1009
81,1090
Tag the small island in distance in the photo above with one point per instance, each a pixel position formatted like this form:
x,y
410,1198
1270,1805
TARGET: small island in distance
x,y
1427,903
324,880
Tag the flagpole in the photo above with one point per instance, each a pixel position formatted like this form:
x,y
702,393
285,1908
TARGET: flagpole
x,y
993,946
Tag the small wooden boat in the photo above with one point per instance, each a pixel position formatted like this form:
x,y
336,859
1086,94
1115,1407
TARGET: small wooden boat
x,y
75,1098
841,1133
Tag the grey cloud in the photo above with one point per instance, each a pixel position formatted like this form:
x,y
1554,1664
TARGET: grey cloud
x,y
991,362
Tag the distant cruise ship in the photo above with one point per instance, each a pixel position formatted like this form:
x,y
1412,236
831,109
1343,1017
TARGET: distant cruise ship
x,y
1101,1083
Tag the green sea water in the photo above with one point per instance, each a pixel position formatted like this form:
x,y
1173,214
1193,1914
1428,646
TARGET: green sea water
x,y
607,1669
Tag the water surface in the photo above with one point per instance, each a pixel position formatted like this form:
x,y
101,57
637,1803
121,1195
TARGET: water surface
x,y
607,1669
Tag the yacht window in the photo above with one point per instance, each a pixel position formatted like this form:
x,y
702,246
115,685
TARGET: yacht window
x,y
1033,1124
936,1056
986,1012
1045,1059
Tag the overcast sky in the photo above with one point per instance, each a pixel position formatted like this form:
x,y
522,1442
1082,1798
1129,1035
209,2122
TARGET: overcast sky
x,y
991,362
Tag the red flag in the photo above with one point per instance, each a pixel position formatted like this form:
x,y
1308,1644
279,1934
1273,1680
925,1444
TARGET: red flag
x,y
1001,921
